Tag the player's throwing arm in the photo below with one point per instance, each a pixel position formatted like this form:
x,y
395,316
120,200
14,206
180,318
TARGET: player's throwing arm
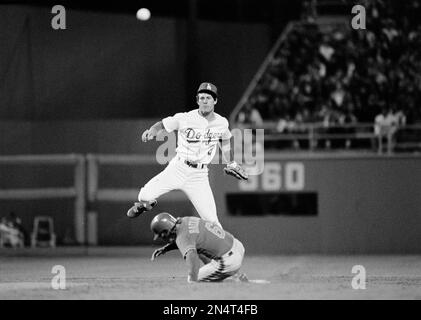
x,y
151,133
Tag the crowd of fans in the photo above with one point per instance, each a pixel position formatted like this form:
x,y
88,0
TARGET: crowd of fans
x,y
344,76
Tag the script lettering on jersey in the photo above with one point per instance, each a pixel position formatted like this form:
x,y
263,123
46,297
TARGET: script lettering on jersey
x,y
209,136
193,136
194,226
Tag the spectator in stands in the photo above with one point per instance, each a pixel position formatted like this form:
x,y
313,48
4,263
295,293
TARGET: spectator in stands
x,y
255,118
400,117
398,120
250,116
326,50
347,121
383,122
338,95
345,73
309,11
285,124
384,127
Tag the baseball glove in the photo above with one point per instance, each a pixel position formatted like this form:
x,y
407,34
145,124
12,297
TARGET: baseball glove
x,y
235,170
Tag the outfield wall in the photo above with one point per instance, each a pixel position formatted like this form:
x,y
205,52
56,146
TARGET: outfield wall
x,y
365,203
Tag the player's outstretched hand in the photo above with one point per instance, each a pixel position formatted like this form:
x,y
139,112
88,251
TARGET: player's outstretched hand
x,y
148,134
157,253
145,135
235,170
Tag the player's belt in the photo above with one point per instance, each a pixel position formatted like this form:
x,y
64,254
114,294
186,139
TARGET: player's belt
x,y
195,165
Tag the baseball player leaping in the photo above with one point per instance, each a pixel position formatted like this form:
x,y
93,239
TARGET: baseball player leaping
x,y
200,132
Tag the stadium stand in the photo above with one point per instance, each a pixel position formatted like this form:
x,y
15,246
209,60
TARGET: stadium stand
x,y
325,80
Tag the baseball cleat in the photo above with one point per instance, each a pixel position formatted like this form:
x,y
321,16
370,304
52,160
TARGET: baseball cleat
x,y
140,207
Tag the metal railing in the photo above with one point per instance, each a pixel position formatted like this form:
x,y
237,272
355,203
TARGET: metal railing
x,y
318,136
96,193
77,191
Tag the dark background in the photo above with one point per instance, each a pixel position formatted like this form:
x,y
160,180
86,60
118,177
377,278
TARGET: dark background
x,y
107,64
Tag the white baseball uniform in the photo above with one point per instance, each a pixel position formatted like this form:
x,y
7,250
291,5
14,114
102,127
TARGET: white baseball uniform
x,y
197,144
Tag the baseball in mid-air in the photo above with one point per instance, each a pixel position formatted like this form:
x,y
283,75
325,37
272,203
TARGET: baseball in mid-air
x,y
143,14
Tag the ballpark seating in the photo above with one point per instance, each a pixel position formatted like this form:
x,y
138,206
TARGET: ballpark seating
x,y
325,71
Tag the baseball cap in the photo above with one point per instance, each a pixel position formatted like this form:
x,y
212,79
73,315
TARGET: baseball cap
x,y
208,87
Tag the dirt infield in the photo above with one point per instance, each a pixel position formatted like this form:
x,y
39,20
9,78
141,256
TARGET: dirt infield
x,y
127,273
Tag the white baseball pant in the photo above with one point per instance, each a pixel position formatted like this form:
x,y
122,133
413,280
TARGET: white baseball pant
x,y
194,182
228,265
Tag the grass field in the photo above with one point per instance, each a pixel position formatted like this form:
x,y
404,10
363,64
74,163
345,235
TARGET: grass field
x,y
127,273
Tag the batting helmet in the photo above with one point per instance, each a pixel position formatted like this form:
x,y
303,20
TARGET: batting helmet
x,y
210,88
162,222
